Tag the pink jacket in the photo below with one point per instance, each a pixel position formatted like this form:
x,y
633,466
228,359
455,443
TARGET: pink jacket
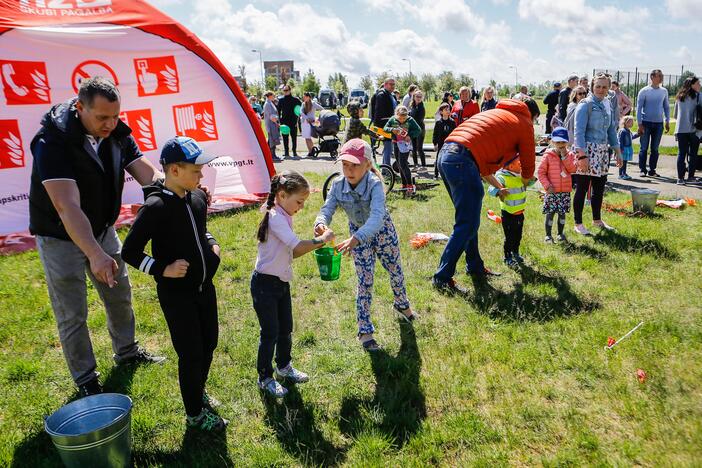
x,y
554,172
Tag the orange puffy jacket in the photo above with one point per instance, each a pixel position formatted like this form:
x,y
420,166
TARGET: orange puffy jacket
x,y
555,172
497,135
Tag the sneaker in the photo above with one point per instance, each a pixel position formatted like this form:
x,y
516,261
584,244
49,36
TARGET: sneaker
x,y
292,374
548,240
561,238
450,287
653,174
209,402
625,177
92,387
207,421
272,387
518,258
643,174
680,182
141,357
485,273
582,230
604,226
693,181
511,262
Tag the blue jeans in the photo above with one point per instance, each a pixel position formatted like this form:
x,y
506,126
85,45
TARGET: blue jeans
x,y
465,187
688,145
387,152
653,131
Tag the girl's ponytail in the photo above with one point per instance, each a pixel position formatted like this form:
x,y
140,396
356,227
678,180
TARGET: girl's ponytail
x,y
288,181
262,233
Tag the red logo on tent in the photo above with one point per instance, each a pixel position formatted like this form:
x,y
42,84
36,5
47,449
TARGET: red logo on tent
x,y
142,126
156,75
11,152
25,82
91,68
196,120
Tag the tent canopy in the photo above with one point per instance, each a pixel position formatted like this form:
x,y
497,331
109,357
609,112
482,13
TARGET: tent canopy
x,y
170,84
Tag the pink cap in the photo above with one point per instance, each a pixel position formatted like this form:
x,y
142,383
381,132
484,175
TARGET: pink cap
x,y
356,151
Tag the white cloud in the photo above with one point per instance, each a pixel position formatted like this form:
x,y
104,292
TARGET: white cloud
x,y
455,15
684,53
685,9
587,33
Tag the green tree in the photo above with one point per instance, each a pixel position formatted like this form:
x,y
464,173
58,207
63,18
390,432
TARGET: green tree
x,y
255,89
366,83
271,83
447,82
337,82
380,79
294,86
427,83
242,74
465,80
310,83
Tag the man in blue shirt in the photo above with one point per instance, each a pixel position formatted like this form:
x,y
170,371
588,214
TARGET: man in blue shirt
x,y
652,108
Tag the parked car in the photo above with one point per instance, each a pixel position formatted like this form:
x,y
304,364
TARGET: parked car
x,y
327,99
359,95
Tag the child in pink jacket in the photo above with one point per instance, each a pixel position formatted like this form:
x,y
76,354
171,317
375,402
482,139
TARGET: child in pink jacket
x,y
554,172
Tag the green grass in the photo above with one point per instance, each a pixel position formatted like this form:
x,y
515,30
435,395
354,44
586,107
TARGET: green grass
x,y
514,375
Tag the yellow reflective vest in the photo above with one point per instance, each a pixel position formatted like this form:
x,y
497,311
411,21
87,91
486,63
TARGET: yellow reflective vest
x,y
516,200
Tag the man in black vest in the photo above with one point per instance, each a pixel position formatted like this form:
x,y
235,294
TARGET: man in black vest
x,y
383,105
551,101
80,155
286,111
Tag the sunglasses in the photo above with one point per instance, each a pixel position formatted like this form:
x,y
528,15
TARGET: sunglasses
x,y
581,94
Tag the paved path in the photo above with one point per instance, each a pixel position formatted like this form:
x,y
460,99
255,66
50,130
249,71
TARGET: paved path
x,y
665,184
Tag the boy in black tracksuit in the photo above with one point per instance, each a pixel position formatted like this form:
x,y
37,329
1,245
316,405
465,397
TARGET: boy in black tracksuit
x,y
184,259
442,129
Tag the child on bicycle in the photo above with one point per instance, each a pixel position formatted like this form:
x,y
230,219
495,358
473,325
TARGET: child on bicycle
x,y
403,128
356,128
360,192
270,282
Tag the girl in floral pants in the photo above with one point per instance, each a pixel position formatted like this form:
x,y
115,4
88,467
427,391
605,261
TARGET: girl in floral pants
x,y
361,194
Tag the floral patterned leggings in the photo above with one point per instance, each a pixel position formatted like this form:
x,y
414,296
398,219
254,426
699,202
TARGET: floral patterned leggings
x,y
386,246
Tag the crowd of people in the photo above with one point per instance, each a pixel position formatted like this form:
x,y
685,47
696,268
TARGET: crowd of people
x,y
83,150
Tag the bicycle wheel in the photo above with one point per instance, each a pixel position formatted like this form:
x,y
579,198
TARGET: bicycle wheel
x,y
327,184
388,177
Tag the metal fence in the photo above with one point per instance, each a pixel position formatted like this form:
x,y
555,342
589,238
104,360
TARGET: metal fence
x,y
630,82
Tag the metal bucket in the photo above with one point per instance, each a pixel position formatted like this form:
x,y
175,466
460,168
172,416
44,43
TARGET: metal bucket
x,y
644,200
94,431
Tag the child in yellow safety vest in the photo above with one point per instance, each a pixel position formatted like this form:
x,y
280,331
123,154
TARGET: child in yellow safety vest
x,y
512,193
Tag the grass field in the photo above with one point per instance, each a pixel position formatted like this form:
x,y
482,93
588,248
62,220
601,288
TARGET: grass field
x,y
515,374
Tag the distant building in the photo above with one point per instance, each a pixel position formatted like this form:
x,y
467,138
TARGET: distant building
x,y
283,70
241,82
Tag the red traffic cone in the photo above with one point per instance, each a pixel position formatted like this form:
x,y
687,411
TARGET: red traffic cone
x,y
494,217
641,375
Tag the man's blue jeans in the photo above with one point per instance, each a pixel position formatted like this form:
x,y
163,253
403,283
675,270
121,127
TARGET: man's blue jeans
x,y
462,179
653,131
387,152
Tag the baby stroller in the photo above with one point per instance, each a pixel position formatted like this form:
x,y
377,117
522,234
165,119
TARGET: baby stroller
x,y
325,132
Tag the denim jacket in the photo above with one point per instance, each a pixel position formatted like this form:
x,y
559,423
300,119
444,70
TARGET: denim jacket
x,y
593,124
364,205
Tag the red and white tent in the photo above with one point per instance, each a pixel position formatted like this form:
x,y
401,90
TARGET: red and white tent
x,y
170,83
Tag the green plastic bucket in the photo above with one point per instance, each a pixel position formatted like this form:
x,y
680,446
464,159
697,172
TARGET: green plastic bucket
x,y
329,263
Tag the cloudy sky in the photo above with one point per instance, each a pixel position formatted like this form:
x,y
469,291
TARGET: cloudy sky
x,y
543,39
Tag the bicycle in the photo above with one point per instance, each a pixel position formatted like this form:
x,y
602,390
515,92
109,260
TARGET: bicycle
x,y
386,171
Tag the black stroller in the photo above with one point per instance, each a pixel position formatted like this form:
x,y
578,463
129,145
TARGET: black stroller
x,y
327,141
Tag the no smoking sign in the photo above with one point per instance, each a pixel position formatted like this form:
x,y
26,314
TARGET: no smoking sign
x,y
89,69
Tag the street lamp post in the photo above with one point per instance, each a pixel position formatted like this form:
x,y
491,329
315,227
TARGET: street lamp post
x,y
516,80
260,58
410,65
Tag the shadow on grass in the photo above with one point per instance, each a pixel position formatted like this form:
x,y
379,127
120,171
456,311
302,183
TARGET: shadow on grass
x,y
37,449
582,249
631,244
294,424
197,449
398,407
523,306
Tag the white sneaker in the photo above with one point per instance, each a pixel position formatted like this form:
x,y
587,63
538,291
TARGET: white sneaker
x,y
292,374
582,230
603,225
271,386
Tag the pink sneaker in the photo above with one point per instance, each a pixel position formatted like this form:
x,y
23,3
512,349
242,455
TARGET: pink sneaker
x,y
582,230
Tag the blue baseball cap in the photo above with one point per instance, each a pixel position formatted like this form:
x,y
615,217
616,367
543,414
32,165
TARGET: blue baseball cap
x,y
559,134
184,149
